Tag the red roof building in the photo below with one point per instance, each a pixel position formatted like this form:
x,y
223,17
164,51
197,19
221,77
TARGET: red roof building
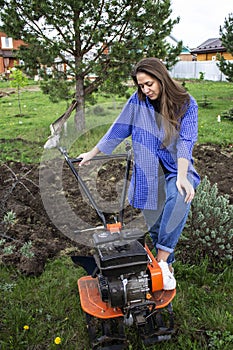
x,y
7,56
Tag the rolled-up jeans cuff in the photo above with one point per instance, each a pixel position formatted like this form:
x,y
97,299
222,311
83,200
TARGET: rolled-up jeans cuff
x,y
166,249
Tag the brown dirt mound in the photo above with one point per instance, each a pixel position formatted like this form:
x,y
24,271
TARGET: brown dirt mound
x,y
20,193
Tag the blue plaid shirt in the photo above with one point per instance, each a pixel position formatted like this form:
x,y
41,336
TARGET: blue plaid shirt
x,y
138,120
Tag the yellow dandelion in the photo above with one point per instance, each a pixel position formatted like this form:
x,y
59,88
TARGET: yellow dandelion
x,y
57,340
26,327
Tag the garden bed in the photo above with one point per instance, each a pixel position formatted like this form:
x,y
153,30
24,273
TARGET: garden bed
x,y
20,193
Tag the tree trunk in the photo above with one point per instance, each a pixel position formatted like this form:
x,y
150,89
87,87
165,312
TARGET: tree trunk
x,y
79,117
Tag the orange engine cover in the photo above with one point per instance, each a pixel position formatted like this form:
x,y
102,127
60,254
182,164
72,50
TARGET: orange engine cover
x,y
155,272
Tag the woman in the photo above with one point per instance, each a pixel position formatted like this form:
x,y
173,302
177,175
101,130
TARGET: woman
x,y
161,118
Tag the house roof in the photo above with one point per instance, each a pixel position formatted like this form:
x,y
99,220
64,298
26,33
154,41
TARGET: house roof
x,y
210,45
185,49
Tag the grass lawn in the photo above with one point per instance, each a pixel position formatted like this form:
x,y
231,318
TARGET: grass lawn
x,y
49,306
220,97
22,137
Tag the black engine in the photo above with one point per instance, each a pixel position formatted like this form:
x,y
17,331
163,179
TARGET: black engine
x,y
122,269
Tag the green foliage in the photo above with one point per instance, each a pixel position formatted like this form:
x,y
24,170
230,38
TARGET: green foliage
x,y
9,249
22,139
228,114
26,250
57,89
38,310
100,39
184,85
19,81
6,248
201,75
209,229
204,102
226,68
220,340
35,311
9,218
219,95
226,33
98,110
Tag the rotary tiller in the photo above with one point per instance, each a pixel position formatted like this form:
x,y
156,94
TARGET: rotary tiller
x,y
124,285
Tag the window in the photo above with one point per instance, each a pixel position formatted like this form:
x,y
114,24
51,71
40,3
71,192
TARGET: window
x,y
7,43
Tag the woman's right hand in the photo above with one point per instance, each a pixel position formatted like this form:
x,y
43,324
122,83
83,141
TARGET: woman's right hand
x,y
88,156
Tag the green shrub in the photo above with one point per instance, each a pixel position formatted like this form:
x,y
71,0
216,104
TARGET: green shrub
x,y
228,114
98,110
209,230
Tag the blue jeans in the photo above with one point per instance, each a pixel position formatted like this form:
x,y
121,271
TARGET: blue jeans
x,y
167,222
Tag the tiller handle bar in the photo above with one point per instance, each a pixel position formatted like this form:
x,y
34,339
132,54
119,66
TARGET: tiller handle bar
x,y
71,161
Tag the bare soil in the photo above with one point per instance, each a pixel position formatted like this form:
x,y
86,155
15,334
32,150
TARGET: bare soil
x,y
20,193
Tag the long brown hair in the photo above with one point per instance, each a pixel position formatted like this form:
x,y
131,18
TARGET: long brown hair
x,y
173,100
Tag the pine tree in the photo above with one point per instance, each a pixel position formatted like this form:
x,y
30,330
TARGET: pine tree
x,y
226,33
101,38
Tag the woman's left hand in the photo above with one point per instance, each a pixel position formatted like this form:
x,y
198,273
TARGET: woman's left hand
x,y
183,184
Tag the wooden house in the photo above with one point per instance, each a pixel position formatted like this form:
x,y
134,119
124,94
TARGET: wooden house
x,y
208,51
7,55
